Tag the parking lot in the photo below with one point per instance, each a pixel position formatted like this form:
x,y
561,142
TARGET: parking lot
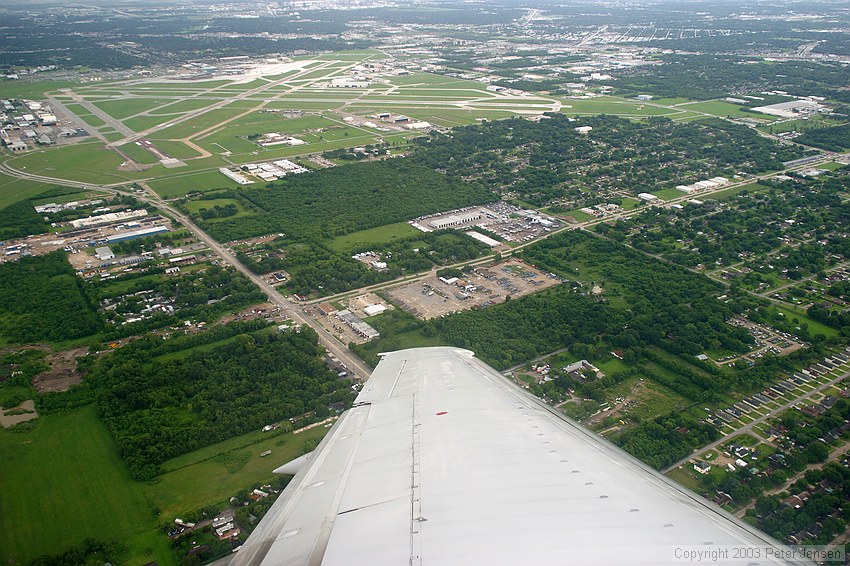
x,y
433,296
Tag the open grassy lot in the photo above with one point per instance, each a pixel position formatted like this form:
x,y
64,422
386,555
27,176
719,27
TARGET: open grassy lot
x,y
214,474
577,214
141,123
176,149
197,124
14,190
123,108
181,106
667,194
451,117
32,89
177,186
611,105
138,153
88,162
195,205
814,326
92,120
63,482
376,236
234,135
729,193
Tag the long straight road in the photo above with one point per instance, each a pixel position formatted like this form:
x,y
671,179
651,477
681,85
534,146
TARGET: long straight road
x,y
293,311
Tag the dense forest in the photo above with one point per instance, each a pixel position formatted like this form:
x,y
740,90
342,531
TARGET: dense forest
x,y
20,219
156,410
345,199
836,138
41,299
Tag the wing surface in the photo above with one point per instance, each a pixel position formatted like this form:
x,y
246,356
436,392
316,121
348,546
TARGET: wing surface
x,y
442,461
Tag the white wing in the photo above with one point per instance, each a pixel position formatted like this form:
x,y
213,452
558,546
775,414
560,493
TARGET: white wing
x,y
443,461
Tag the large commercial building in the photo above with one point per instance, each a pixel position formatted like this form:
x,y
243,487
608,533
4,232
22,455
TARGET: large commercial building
x,y
124,236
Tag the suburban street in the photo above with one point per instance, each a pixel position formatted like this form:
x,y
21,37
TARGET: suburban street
x,y
749,426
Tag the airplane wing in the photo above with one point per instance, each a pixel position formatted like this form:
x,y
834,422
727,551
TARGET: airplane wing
x,y
442,460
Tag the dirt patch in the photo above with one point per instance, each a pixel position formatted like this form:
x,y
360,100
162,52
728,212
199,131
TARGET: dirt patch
x,y
62,373
22,413
633,397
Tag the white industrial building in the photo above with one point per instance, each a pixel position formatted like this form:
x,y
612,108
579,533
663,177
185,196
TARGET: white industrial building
x,y
792,109
455,219
233,176
107,218
103,253
482,238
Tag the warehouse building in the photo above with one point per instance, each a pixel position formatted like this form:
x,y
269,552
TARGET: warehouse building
x,y
123,237
455,220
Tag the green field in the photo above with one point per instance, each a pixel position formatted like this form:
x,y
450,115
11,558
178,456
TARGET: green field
x,y
126,107
729,193
88,162
91,120
138,153
577,214
64,482
195,205
831,166
32,89
181,107
194,125
141,123
376,236
667,194
196,182
815,327
615,106
176,149
233,137
14,190
215,473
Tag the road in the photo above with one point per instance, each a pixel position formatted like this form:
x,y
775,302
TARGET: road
x,y
749,426
293,311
